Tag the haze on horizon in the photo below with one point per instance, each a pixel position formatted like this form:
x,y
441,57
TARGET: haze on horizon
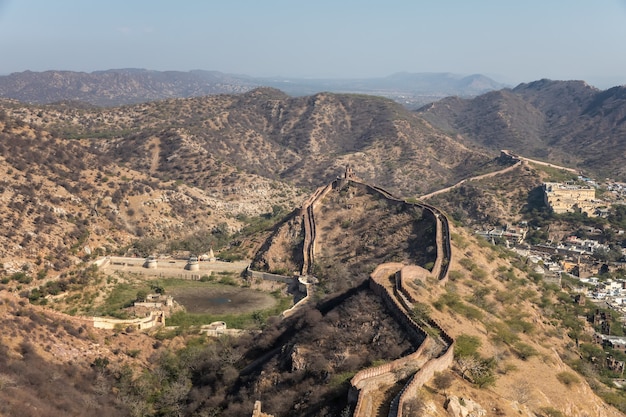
x,y
511,42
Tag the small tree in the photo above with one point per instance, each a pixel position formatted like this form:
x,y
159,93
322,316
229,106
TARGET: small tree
x,y
142,295
466,345
442,381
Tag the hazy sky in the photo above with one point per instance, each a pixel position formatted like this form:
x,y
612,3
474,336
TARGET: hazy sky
x,y
509,40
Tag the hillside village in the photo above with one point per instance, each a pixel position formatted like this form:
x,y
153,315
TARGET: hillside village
x,y
594,268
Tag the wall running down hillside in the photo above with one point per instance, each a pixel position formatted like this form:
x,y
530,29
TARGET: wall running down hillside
x,y
433,355
389,282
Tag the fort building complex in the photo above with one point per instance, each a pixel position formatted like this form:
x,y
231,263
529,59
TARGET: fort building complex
x,y
570,198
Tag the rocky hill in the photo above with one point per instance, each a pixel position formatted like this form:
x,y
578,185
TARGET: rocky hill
x,y
303,140
513,352
126,86
566,121
62,201
185,173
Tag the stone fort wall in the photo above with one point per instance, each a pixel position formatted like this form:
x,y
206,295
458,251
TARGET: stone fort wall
x,y
372,378
398,304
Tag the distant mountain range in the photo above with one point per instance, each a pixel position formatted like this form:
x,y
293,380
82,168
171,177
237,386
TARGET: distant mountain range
x,y
130,86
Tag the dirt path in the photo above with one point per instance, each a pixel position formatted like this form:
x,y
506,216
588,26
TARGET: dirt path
x,y
547,164
154,161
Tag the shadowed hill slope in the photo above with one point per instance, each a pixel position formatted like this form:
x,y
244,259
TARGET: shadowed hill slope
x,y
564,121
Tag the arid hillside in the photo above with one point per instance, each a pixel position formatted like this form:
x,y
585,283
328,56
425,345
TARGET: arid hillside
x,y
562,121
62,201
186,175
303,140
54,365
515,334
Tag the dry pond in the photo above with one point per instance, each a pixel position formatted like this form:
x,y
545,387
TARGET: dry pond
x,y
221,299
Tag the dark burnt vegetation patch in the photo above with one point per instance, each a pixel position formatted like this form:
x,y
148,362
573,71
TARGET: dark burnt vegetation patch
x,y
32,386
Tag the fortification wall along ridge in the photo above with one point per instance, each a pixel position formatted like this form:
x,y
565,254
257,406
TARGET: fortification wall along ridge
x,y
371,379
308,213
398,302
397,298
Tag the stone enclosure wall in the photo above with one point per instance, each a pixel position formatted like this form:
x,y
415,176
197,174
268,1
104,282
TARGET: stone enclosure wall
x,y
155,318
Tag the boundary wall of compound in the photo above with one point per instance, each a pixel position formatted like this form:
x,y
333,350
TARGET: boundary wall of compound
x,y
290,311
156,318
287,280
103,263
266,276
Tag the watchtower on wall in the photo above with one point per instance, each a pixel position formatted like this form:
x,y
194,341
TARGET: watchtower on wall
x,y
349,173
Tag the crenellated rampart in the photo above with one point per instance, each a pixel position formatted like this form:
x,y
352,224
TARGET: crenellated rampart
x,y
436,351
422,361
442,237
390,282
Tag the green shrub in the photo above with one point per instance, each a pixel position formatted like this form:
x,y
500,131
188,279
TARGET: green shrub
x,y
479,274
207,278
466,345
567,378
518,325
524,351
467,263
455,275
228,281
22,278
459,240
550,412
133,353
501,333
447,299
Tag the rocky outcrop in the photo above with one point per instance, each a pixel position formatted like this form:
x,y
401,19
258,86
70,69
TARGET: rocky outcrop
x,y
464,407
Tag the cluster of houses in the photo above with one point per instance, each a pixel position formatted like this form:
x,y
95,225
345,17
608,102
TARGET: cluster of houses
x,y
617,189
507,234
576,256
